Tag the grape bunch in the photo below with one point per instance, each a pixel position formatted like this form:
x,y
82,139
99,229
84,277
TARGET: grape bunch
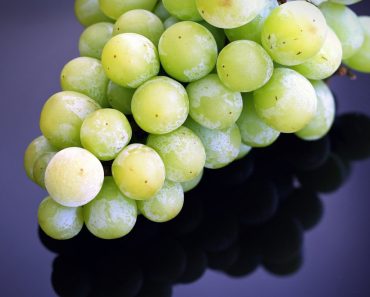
x,y
164,89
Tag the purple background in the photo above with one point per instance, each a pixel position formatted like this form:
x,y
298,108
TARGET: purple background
x,y
36,39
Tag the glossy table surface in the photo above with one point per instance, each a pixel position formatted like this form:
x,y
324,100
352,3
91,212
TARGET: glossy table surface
x,y
290,220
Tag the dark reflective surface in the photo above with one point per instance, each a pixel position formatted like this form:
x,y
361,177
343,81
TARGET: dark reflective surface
x,y
291,220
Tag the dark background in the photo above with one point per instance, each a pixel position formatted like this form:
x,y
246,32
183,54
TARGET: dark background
x,y
36,39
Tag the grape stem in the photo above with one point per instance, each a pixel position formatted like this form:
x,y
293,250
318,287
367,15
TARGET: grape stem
x,y
345,71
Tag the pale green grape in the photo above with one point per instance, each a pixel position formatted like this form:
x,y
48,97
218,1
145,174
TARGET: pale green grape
x,y
62,116
252,30
130,59
320,125
243,151
287,102
229,13
182,153
188,51
115,8
110,215
160,105
346,26
59,222
88,12
86,76
221,146
360,61
94,38
254,131
161,12
170,21
120,97
191,184
212,104
185,10
165,205
39,168
142,22
105,133
244,66
74,177
139,172
218,34
35,150
325,62
294,32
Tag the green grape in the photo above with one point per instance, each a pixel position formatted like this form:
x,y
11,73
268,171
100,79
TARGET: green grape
x,y
325,62
105,133
35,150
213,105
222,146
139,172
294,32
360,61
170,21
346,25
94,38
130,59
191,184
218,34
115,8
244,66
185,10
182,153
59,222
165,205
254,131
320,125
120,97
229,14
74,177
39,168
160,105
287,102
252,30
62,116
142,22
88,12
161,11
243,151
86,76
110,215
188,51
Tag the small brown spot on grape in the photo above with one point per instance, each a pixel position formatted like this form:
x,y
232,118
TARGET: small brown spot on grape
x,y
299,53
118,29
146,181
223,66
106,124
230,113
269,37
202,11
179,37
276,98
156,115
115,56
191,172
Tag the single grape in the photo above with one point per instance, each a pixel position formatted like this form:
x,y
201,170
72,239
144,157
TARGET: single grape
x,y
86,76
62,116
294,32
110,215
105,133
325,62
287,102
165,205
59,222
191,184
39,168
88,12
218,34
120,97
142,22
161,11
221,146
243,151
74,177
346,26
188,51
94,38
229,14
130,59
139,172
160,105
170,21
213,105
115,8
254,131
244,66
35,150
320,125
185,10
182,153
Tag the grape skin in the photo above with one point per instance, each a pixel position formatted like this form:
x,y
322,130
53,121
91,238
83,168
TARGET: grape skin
x,y
94,38
88,12
39,168
115,8
191,184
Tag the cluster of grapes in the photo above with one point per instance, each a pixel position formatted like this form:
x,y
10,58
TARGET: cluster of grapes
x,y
158,96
